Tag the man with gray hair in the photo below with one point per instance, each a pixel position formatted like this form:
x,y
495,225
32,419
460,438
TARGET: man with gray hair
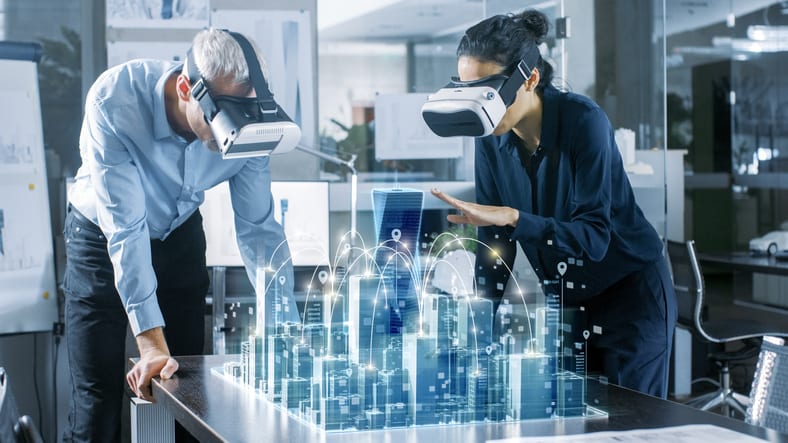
x,y
135,245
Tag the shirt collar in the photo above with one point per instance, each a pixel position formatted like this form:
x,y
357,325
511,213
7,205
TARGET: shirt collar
x,y
161,126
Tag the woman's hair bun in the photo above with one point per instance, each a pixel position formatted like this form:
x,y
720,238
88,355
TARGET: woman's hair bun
x,y
535,22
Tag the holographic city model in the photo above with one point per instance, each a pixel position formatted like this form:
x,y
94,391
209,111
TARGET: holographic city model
x,y
379,346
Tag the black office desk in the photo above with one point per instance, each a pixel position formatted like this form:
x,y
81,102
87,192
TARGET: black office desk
x,y
743,261
216,410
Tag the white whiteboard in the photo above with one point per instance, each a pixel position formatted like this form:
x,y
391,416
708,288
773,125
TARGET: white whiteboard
x,y
28,297
306,222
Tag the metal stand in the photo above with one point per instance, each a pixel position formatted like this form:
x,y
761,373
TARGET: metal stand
x,y
217,308
724,397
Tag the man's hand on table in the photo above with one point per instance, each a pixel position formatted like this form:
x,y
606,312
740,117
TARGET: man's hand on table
x,y
154,360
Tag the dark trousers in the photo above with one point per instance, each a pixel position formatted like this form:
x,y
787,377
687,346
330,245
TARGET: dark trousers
x,y
637,316
96,321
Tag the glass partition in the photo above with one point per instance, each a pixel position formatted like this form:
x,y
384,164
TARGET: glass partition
x,y
726,103
393,332
759,106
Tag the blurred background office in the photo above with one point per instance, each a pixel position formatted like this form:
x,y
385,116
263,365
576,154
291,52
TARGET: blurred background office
x,y
695,88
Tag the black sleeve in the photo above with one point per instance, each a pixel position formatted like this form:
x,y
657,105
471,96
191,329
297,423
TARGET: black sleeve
x,y
496,251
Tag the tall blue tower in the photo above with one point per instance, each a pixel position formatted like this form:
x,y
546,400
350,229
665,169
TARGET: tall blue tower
x,y
397,216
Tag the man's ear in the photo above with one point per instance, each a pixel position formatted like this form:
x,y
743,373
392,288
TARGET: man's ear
x,y
183,87
533,80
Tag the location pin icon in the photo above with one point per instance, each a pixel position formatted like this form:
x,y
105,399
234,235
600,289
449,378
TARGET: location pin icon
x,y
562,268
396,234
586,334
282,279
322,276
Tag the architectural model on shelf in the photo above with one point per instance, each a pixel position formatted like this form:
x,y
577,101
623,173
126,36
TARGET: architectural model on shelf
x,y
380,347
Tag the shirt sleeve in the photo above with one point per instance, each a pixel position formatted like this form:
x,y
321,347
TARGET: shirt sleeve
x,y
121,214
261,239
587,232
496,251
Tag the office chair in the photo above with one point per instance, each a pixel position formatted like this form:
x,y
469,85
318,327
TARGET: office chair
x,y
8,411
689,287
14,428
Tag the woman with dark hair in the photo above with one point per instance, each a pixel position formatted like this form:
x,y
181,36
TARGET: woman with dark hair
x,y
550,177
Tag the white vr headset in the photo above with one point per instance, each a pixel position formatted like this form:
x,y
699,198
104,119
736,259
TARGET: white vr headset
x,y
245,126
474,108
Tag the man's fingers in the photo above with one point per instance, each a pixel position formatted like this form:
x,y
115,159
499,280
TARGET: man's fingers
x,y
134,378
169,368
136,384
132,381
144,392
154,361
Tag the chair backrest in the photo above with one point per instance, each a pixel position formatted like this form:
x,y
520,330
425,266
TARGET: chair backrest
x,y
8,410
689,286
769,392
687,280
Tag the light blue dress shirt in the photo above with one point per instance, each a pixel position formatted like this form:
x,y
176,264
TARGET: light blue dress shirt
x,y
139,180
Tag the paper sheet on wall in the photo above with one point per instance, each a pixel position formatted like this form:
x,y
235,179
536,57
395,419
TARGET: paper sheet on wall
x,y
675,434
27,276
157,13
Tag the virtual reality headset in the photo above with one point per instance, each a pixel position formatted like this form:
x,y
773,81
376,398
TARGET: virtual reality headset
x,y
245,126
474,108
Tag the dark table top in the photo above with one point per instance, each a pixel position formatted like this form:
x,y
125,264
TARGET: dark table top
x,y
215,409
744,261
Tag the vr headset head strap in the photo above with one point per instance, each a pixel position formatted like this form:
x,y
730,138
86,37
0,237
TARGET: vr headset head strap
x,y
255,71
521,73
200,89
